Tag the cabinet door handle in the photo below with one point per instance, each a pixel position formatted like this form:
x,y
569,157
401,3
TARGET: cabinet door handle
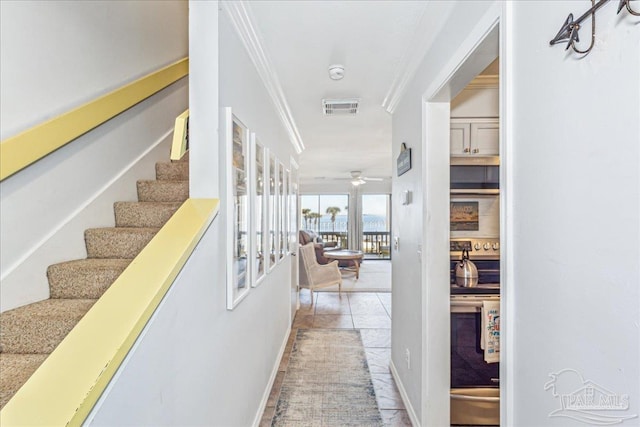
x,y
467,149
476,150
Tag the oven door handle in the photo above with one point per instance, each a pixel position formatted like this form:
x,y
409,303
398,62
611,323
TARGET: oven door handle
x,y
469,306
476,304
467,398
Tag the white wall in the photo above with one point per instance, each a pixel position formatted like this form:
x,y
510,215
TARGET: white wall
x,y
55,56
573,202
409,291
575,208
476,102
197,362
58,55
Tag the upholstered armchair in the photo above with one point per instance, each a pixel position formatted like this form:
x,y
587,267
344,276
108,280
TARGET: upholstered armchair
x,y
314,275
308,236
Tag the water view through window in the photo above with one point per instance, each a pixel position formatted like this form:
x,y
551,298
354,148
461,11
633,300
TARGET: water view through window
x,y
328,215
376,225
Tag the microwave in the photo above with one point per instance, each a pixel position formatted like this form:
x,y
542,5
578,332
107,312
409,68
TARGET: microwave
x,y
475,179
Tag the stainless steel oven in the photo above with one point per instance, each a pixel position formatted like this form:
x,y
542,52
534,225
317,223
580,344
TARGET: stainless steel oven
x,y
475,383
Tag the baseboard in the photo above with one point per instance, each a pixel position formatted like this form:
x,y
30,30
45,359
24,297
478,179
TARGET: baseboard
x,y
272,380
403,394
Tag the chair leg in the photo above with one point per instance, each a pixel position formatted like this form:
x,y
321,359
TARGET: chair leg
x,y
311,289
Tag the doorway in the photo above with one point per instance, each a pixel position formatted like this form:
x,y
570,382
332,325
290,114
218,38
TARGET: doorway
x,y
480,49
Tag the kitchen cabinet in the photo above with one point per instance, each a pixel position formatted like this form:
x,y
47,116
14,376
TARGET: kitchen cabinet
x,y
474,137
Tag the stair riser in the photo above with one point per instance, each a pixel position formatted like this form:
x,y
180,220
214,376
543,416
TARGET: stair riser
x,y
176,171
163,191
117,243
146,214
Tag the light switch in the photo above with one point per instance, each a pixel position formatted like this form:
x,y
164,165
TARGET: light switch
x,y
396,243
406,197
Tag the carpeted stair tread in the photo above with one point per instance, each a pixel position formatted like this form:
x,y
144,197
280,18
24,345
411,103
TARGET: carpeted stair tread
x,y
163,191
29,333
144,214
39,327
117,242
84,278
174,171
15,370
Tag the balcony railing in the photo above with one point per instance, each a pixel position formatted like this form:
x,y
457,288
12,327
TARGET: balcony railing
x,y
375,244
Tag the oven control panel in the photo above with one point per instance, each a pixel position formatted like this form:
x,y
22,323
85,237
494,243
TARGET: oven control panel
x,y
488,248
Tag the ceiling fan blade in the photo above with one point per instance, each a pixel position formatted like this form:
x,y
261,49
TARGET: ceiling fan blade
x,y
373,179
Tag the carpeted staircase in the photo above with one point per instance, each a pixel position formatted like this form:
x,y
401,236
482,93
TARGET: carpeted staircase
x,y
29,333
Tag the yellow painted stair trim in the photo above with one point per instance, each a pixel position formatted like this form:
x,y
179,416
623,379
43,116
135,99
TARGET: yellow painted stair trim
x,y
69,382
19,151
180,143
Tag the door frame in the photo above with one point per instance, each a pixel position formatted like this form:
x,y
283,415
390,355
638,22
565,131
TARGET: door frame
x,y
466,62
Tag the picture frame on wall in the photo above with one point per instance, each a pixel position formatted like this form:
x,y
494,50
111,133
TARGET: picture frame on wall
x,y
259,213
286,202
237,194
272,208
282,216
293,206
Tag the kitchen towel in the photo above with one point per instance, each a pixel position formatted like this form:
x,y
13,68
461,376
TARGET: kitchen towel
x,y
490,336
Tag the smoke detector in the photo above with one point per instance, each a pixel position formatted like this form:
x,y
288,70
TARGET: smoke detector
x,y
333,107
336,71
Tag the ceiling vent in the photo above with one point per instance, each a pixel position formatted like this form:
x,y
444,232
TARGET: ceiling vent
x,y
340,107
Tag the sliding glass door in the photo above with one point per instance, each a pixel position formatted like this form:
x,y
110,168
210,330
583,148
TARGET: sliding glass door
x,y
327,215
376,226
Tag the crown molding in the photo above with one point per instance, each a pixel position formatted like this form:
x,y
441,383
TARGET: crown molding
x,y
431,22
241,17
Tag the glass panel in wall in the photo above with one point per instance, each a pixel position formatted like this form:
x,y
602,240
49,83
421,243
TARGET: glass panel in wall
x,y
282,199
260,216
327,214
273,214
376,226
240,207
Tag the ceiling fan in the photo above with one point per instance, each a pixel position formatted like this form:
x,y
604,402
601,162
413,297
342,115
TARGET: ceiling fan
x,y
357,178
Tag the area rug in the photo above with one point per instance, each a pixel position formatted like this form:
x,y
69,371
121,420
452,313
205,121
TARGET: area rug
x,y
327,382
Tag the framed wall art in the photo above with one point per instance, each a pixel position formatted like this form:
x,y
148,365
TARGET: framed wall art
x,y
293,207
237,208
259,244
273,211
282,209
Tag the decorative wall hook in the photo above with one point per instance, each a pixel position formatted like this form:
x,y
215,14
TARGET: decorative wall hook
x,y
627,3
569,31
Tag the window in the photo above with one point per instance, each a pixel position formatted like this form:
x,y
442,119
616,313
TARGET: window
x,y
376,225
326,214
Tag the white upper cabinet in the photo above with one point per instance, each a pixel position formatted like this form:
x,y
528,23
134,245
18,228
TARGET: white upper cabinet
x,y
475,137
460,139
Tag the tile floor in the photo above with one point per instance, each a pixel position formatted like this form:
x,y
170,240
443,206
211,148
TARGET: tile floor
x,y
371,313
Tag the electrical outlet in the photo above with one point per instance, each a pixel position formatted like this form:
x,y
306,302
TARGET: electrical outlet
x,y
407,356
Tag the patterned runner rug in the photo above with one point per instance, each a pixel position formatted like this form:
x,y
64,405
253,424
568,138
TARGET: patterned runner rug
x,y
327,382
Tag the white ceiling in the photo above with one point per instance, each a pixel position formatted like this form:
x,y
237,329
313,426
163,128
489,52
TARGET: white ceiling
x,y
370,38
